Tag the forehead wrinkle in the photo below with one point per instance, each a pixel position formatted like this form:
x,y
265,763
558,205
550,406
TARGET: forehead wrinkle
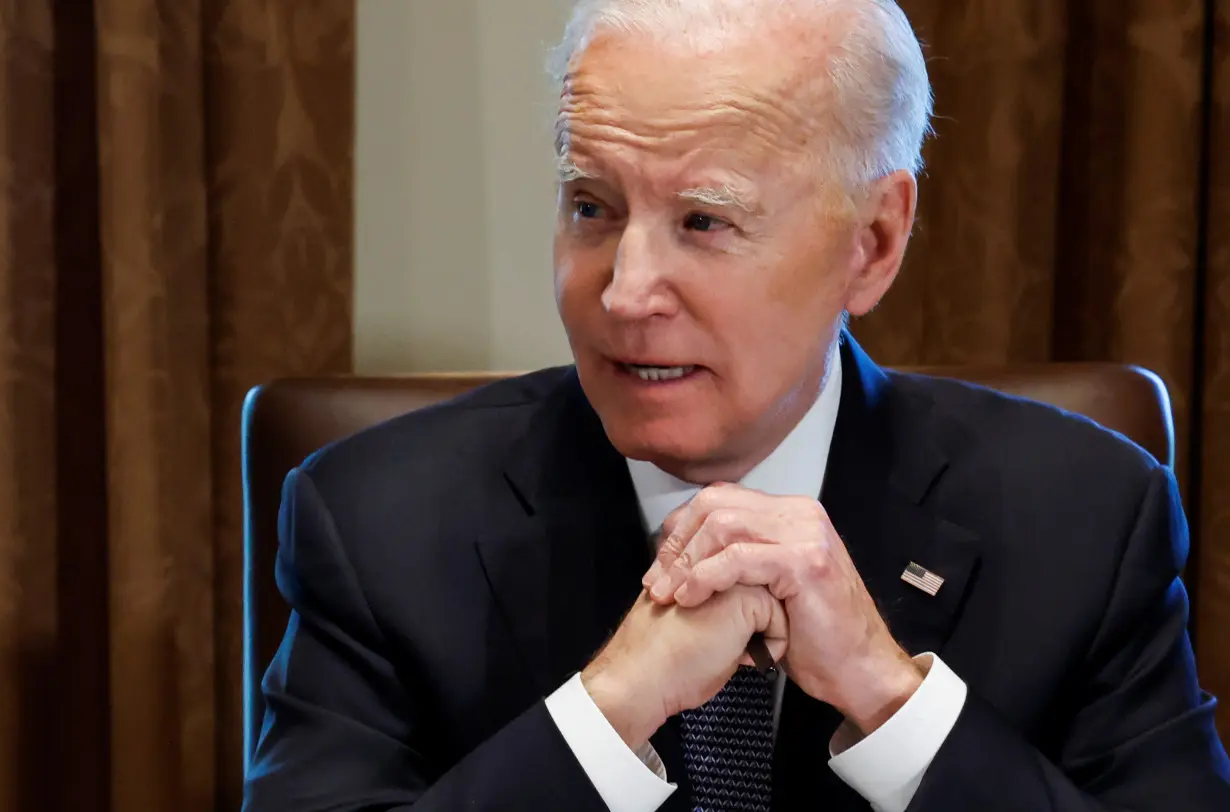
x,y
588,110
700,171
590,141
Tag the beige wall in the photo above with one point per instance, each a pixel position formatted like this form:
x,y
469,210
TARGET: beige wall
x,y
455,193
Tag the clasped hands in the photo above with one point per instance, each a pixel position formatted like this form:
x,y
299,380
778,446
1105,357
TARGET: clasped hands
x,y
734,562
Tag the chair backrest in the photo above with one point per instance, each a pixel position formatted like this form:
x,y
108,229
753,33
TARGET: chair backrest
x,y
287,420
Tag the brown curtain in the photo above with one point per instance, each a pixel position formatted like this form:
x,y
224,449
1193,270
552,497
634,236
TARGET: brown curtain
x,y
1077,207
175,227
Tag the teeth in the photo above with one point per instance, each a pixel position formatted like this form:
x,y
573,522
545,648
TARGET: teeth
x,y
661,373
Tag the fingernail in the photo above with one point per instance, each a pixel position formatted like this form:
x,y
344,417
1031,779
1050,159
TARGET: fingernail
x,y
654,573
682,594
661,589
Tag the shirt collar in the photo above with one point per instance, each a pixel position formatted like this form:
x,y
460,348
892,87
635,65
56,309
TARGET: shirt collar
x,y
795,468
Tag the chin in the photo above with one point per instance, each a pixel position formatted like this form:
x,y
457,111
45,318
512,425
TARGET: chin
x,y
674,433
669,444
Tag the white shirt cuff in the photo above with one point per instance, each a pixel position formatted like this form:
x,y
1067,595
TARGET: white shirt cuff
x,y
626,780
888,766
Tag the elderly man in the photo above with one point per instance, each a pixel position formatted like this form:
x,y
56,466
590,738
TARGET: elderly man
x,y
981,611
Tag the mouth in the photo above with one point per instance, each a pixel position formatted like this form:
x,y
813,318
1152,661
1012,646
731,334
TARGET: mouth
x,y
650,373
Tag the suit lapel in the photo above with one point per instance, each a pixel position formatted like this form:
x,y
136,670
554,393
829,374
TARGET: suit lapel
x,y
883,462
886,458
568,566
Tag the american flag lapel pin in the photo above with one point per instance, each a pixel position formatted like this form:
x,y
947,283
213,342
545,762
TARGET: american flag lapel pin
x,y
922,578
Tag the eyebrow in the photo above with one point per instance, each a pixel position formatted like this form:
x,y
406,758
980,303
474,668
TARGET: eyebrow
x,y
720,196
569,171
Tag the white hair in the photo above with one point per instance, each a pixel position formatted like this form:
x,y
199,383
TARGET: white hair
x,y
882,102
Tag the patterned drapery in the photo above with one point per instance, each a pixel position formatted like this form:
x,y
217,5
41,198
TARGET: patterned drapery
x,y
1076,206
175,227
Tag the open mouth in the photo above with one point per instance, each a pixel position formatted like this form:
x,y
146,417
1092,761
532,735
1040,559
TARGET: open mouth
x,y
656,374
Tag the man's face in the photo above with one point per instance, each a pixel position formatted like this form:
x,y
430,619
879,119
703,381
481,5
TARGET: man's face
x,y
699,272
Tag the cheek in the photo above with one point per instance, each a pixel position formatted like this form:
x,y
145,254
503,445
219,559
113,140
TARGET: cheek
x,y
748,329
765,356
579,282
804,304
774,346
565,273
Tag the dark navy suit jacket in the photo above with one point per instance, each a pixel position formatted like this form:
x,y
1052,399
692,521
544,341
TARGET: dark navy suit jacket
x,y
451,568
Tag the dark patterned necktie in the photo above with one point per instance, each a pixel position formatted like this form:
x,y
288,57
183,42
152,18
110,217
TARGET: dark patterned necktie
x,y
728,746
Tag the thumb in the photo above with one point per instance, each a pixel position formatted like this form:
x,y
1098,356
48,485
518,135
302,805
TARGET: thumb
x,y
774,636
776,631
765,614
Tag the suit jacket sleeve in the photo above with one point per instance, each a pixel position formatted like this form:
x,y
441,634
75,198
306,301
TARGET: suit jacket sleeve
x,y
340,730
1140,736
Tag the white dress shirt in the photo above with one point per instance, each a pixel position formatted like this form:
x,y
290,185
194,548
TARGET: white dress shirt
x,y
885,768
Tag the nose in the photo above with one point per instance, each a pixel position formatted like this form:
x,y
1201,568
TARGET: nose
x,y
638,288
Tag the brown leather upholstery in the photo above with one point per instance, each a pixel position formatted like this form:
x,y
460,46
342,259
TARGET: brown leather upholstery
x,y
287,420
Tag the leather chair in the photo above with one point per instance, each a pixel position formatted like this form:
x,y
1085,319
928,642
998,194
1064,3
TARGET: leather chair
x,y
287,420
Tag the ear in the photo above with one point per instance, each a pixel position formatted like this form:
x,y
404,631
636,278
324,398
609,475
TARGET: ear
x,y
886,221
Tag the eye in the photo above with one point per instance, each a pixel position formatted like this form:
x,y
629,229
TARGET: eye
x,y
586,209
704,223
